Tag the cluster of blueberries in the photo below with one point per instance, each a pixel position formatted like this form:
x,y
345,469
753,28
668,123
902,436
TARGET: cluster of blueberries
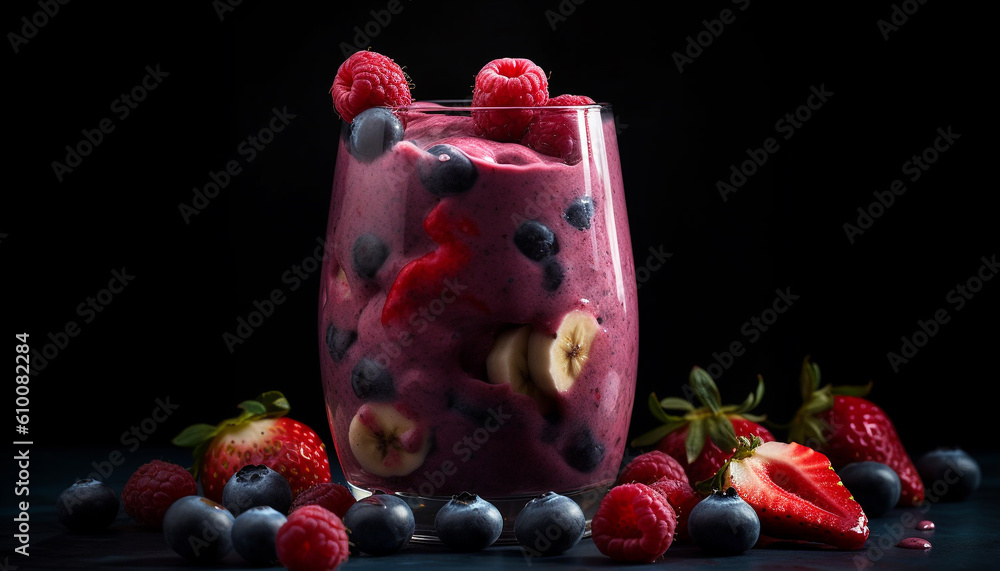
x,y
256,499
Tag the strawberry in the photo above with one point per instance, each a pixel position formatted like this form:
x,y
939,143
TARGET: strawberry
x,y
847,428
795,492
703,438
261,434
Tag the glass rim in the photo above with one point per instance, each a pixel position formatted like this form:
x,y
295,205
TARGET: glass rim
x,y
466,105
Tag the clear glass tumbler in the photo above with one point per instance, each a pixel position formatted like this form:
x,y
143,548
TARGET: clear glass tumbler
x,y
477,318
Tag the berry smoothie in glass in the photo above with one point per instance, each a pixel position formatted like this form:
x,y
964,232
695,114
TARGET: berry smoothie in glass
x,y
477,319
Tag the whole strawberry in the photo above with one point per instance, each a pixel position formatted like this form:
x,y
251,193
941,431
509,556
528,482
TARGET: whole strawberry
x,y
261,434
702,439
838,422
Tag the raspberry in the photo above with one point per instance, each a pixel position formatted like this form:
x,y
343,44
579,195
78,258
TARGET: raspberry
x,y
556,132
567,99
368,79
508,82
313,539
634,524
153,488
333,497
682,497
650,467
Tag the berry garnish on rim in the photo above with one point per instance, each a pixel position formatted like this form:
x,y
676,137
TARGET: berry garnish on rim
x,y
508,82
368,79
556,132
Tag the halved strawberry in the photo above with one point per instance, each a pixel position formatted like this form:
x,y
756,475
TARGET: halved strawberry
x,y
795,492
848,428
703,438
261,434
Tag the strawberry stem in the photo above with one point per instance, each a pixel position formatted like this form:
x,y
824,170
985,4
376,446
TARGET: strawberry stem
x,y
744,448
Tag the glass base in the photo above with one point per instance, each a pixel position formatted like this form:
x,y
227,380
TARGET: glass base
x,y
425,509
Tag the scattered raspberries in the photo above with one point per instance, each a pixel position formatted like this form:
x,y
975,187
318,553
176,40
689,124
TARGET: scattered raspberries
x,y
682,497
650,467
508,82
633,524
368,79
329,495
153,488
313,539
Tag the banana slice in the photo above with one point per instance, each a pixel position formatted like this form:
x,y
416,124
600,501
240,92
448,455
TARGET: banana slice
x,y
386,440
508,359
507,362
341,286
555,361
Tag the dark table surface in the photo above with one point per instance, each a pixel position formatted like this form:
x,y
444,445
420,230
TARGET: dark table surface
x,y
967,534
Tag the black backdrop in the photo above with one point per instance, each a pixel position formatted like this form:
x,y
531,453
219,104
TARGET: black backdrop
x,y
218,80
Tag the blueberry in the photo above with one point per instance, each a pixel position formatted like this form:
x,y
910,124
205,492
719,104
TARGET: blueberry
x,y
446,171
373,132
723,524
254,533
88,506
579,212
368,255
874,485
198,529
951,470
535,240
584,453
380,524
468,523
549,525
256,485
370,380
552,274
338,341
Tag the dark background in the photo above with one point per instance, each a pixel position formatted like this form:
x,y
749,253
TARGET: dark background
x,y
679,133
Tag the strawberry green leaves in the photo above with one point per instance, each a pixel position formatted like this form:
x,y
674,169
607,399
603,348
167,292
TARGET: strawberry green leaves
x,y
670,422
807,426
711,419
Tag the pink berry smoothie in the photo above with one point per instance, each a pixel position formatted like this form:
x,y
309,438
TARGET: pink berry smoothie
x,y
477,320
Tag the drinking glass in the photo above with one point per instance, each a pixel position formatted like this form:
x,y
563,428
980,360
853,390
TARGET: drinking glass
x,y
477,319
